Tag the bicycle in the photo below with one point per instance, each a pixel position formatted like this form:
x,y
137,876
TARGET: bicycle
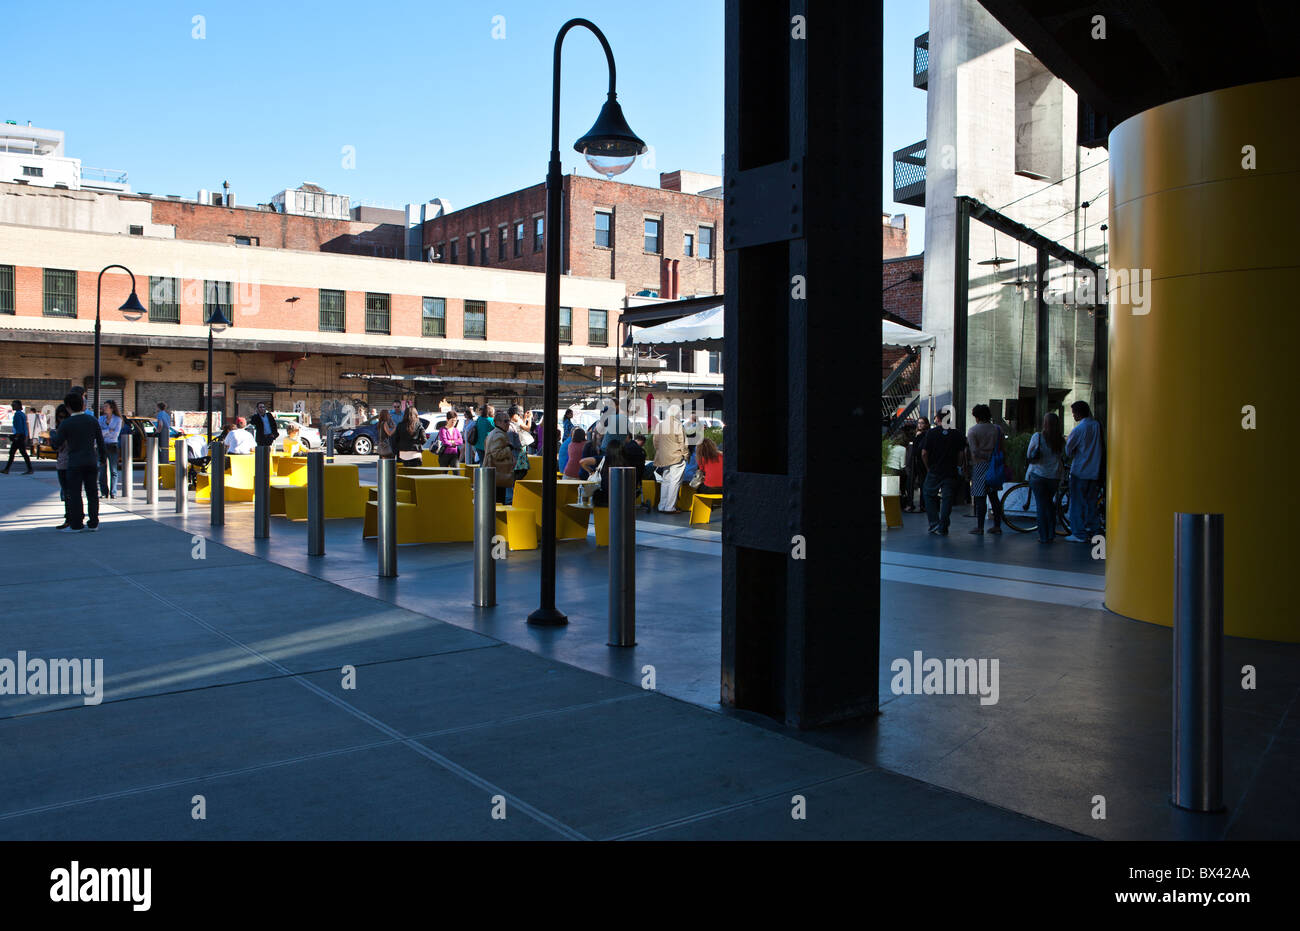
x,y
1019,513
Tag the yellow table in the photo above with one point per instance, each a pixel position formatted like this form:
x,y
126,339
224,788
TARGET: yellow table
x,y
570,523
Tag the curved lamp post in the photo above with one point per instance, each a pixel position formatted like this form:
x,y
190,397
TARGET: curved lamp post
x,y
610,147
216,323
132,310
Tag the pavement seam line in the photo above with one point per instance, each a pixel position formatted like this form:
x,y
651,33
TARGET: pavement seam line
x,y
469,776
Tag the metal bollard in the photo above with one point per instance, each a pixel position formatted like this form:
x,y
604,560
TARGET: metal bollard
x,y
386,514
1198,662
128,465
315,504
182,480
485,527
622,557
262,493
151,469
329,444
217,483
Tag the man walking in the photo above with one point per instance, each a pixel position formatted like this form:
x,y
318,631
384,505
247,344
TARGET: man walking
x,y
1084,448
264,429
85,442
19,440
670,460
163,430
942,452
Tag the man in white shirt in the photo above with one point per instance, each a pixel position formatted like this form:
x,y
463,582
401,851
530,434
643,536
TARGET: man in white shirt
x,y
239,441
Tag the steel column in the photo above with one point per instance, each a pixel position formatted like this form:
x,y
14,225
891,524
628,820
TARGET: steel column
x,y
622,557
262,493
386,514
217,484
316,504
485,512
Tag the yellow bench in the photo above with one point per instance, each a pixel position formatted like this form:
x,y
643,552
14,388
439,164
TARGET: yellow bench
x,y
650,492
345,496
443,510
702,507
518,525
599,518
240,472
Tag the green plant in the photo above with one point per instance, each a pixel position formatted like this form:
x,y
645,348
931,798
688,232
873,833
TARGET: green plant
x,y
1017,446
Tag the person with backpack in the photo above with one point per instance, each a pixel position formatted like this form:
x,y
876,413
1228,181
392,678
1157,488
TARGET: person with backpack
x,y
985,439
1046,448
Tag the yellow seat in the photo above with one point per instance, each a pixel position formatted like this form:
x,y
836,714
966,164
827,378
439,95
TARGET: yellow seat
x,y
518,526
702,507
443,510
240,471
289,470
599,518
534,468
893,510
345,496
408,522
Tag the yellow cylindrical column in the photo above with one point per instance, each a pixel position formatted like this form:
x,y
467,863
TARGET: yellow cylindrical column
x,y
1201,410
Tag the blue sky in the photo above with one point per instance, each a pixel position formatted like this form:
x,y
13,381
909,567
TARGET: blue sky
x,y
432,103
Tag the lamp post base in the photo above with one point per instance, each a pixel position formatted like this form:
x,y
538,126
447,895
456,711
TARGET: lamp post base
x,y
548,617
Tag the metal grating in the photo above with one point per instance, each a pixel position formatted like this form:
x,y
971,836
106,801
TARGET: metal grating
x,y
909,174
921,61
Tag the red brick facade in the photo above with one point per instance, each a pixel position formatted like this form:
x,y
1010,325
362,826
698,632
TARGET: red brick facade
x,y
902,298
669,271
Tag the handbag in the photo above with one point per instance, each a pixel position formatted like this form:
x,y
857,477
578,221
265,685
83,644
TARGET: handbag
x,y
521,460
697,479
997,473
383,444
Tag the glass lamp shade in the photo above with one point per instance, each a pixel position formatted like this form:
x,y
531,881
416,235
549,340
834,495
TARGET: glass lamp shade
x,y
610,146
217,320
133,310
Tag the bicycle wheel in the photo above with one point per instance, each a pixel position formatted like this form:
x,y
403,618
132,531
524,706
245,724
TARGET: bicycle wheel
x,y
1063,509
1016,501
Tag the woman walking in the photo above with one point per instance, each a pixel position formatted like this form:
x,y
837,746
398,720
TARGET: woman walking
x,y
984,437
61,413
110,422
450,441
1044,473
914,466
384,434
409,438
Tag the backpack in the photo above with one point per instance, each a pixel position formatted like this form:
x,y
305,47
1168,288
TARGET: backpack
x,y
471,435
502,458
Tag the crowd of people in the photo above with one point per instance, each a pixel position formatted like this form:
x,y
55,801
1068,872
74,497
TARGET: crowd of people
x,y
940,465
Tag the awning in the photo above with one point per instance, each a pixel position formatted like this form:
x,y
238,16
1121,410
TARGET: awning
x,y
902,337
701,330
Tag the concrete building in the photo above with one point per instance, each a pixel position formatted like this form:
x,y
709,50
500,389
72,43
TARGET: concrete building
x,y
1001,129
30,155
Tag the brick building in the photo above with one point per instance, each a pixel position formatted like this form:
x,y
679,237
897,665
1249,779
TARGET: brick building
x,y
902,279
661,242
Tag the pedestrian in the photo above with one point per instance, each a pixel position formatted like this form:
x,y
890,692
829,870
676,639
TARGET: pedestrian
x,y
943,453
482,429
384,435
449,441
84,442
709,459
670,460
162,429
984,437
499,453
19,439
520,423
110,423
567,425
634,456
409,438
264,427
914,467
571,454
1085,449
239,442
1046,447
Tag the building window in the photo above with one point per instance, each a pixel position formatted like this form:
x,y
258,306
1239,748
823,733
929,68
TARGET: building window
x,y
652,235
30,172
604,229
597,328
217,294
455,252
469,250
435,317
245,241
706,242
566,325
476,319
539,233
6,289
688,245
333,315
137,230
519,239
483,247
60,293
377,316
164,300
715,363
688,361
501,245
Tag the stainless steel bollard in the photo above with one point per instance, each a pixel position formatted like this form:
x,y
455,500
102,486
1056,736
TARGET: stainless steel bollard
x,y
485,527
151,469
622,557
1198,662
217,483
128,465
329,444
182,480
386,514
315,504
262,493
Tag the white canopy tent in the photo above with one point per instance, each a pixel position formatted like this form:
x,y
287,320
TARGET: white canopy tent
x,y
897,336
701,330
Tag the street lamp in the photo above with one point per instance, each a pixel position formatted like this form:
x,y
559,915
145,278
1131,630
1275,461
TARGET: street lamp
x,y
132,310
216,323
610,147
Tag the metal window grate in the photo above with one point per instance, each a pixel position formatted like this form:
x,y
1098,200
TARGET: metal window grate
x,y
60,293
333,311
475,320
435,317
164,300
217,294
6,289
909,174
921,61
377,313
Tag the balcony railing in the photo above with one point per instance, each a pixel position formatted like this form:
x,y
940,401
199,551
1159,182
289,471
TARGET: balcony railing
x,y
909,175
921,61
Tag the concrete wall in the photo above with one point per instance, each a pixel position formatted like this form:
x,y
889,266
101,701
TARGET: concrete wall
x,y
86,211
